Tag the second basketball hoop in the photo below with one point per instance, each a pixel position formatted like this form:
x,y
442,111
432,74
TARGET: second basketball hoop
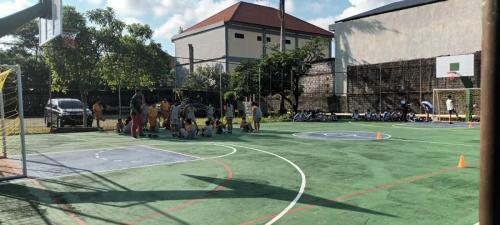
x,y
68,37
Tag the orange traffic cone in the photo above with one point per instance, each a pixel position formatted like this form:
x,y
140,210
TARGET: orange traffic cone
x,y
461,162
379,135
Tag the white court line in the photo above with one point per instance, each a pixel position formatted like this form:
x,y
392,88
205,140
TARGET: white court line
x,y
165,150
302,185
136,167
385,136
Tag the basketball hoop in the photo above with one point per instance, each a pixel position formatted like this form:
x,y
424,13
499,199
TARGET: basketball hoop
x,y
68,37
452,75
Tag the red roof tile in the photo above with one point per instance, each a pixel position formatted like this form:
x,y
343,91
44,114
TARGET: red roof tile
x,y
249,13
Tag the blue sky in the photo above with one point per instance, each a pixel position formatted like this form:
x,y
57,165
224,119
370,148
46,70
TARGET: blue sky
x,y
166,16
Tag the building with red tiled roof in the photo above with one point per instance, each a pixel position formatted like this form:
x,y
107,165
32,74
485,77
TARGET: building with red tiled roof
x,y
241,32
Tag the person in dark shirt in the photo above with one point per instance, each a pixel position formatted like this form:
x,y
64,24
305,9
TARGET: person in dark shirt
x,y
136,114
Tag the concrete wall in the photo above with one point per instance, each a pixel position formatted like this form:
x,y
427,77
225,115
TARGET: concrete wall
x,y
445,28
207,45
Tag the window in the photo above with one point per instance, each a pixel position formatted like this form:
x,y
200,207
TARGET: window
x,y
268,39
239,36
288,42
259,38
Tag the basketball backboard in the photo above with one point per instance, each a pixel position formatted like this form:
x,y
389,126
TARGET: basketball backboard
x,y
457,65
51,24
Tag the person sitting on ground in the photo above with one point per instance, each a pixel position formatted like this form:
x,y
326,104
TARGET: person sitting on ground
x,y
119,126
375,116
245,126
368,115
127,129
387,115
219,126
153,120
189,130
355,115
207,131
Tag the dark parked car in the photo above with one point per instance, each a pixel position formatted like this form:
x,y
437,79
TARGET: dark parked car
x,y
65,111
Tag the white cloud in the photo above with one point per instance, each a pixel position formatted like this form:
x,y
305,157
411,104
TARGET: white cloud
x,y
323,22
94,2
202,10
132,8
360,6
188,15
5,42
11,6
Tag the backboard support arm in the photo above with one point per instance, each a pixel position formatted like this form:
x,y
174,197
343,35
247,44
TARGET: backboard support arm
x,y
11,22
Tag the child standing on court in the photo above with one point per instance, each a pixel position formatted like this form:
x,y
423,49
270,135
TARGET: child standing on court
x,y
451,109
229,117
98,116
210,112
152,118
165,112
257,116
175,122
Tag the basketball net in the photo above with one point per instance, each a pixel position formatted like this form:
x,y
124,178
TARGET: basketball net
x,y
68,38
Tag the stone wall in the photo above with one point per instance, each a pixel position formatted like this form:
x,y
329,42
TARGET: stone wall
x,y
318,87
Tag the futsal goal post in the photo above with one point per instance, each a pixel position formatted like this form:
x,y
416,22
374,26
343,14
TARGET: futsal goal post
x,y
466,102
13,148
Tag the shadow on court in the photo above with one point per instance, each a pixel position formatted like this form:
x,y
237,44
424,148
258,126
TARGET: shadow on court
x,y
236,189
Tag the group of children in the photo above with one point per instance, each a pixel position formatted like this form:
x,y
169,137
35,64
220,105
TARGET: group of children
x,y
314,116
184,126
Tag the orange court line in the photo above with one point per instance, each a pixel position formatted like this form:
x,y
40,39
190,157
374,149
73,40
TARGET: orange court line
x,y
358,193
62,206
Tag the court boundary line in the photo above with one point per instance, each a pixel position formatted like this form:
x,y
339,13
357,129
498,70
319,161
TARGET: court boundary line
x,y
302,185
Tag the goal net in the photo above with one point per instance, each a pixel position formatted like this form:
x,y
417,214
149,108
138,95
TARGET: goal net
x,y
12,147
465,100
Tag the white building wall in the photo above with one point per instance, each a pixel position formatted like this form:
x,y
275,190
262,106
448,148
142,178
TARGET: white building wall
x,y
248,47
444,28
207,45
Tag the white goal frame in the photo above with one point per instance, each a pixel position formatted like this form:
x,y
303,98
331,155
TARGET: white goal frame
x,y
436,114
22,130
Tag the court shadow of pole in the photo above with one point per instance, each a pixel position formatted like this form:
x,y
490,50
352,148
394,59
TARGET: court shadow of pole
x,y
237,189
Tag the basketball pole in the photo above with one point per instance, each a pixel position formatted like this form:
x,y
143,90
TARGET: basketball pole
x,y
489,202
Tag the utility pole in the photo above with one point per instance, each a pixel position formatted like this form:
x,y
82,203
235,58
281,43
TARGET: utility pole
x,y
489,198
282,17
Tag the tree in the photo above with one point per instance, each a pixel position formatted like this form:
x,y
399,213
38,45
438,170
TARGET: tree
x,y
245,79
284,70
74,67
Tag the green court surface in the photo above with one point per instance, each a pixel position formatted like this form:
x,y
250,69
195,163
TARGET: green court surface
x,y
270,177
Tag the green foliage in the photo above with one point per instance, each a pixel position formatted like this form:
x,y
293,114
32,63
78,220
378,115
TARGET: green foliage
x,y
230,96
206,78
74,67
245,79
280,72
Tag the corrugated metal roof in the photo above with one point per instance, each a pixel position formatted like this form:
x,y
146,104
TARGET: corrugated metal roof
x,y
405,4
244,12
